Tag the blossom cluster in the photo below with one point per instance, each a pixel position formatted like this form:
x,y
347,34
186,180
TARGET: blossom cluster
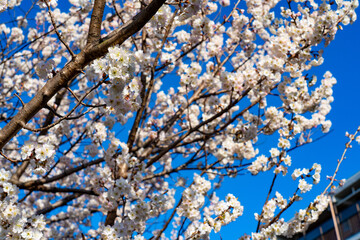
x,y
16,222
193,198
135,214
307,216
43,4
277,159
225,212
124,94
4,4
301,221
304,173
269,208
40,156
98,132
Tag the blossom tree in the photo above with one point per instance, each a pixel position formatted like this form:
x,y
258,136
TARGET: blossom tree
x,y
131,113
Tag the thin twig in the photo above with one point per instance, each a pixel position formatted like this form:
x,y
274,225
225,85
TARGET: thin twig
x,y
347,146
57,32
19,99
7,158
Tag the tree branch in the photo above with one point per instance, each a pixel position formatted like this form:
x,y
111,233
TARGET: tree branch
x,y
62,190
59,203
59,176
95,22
